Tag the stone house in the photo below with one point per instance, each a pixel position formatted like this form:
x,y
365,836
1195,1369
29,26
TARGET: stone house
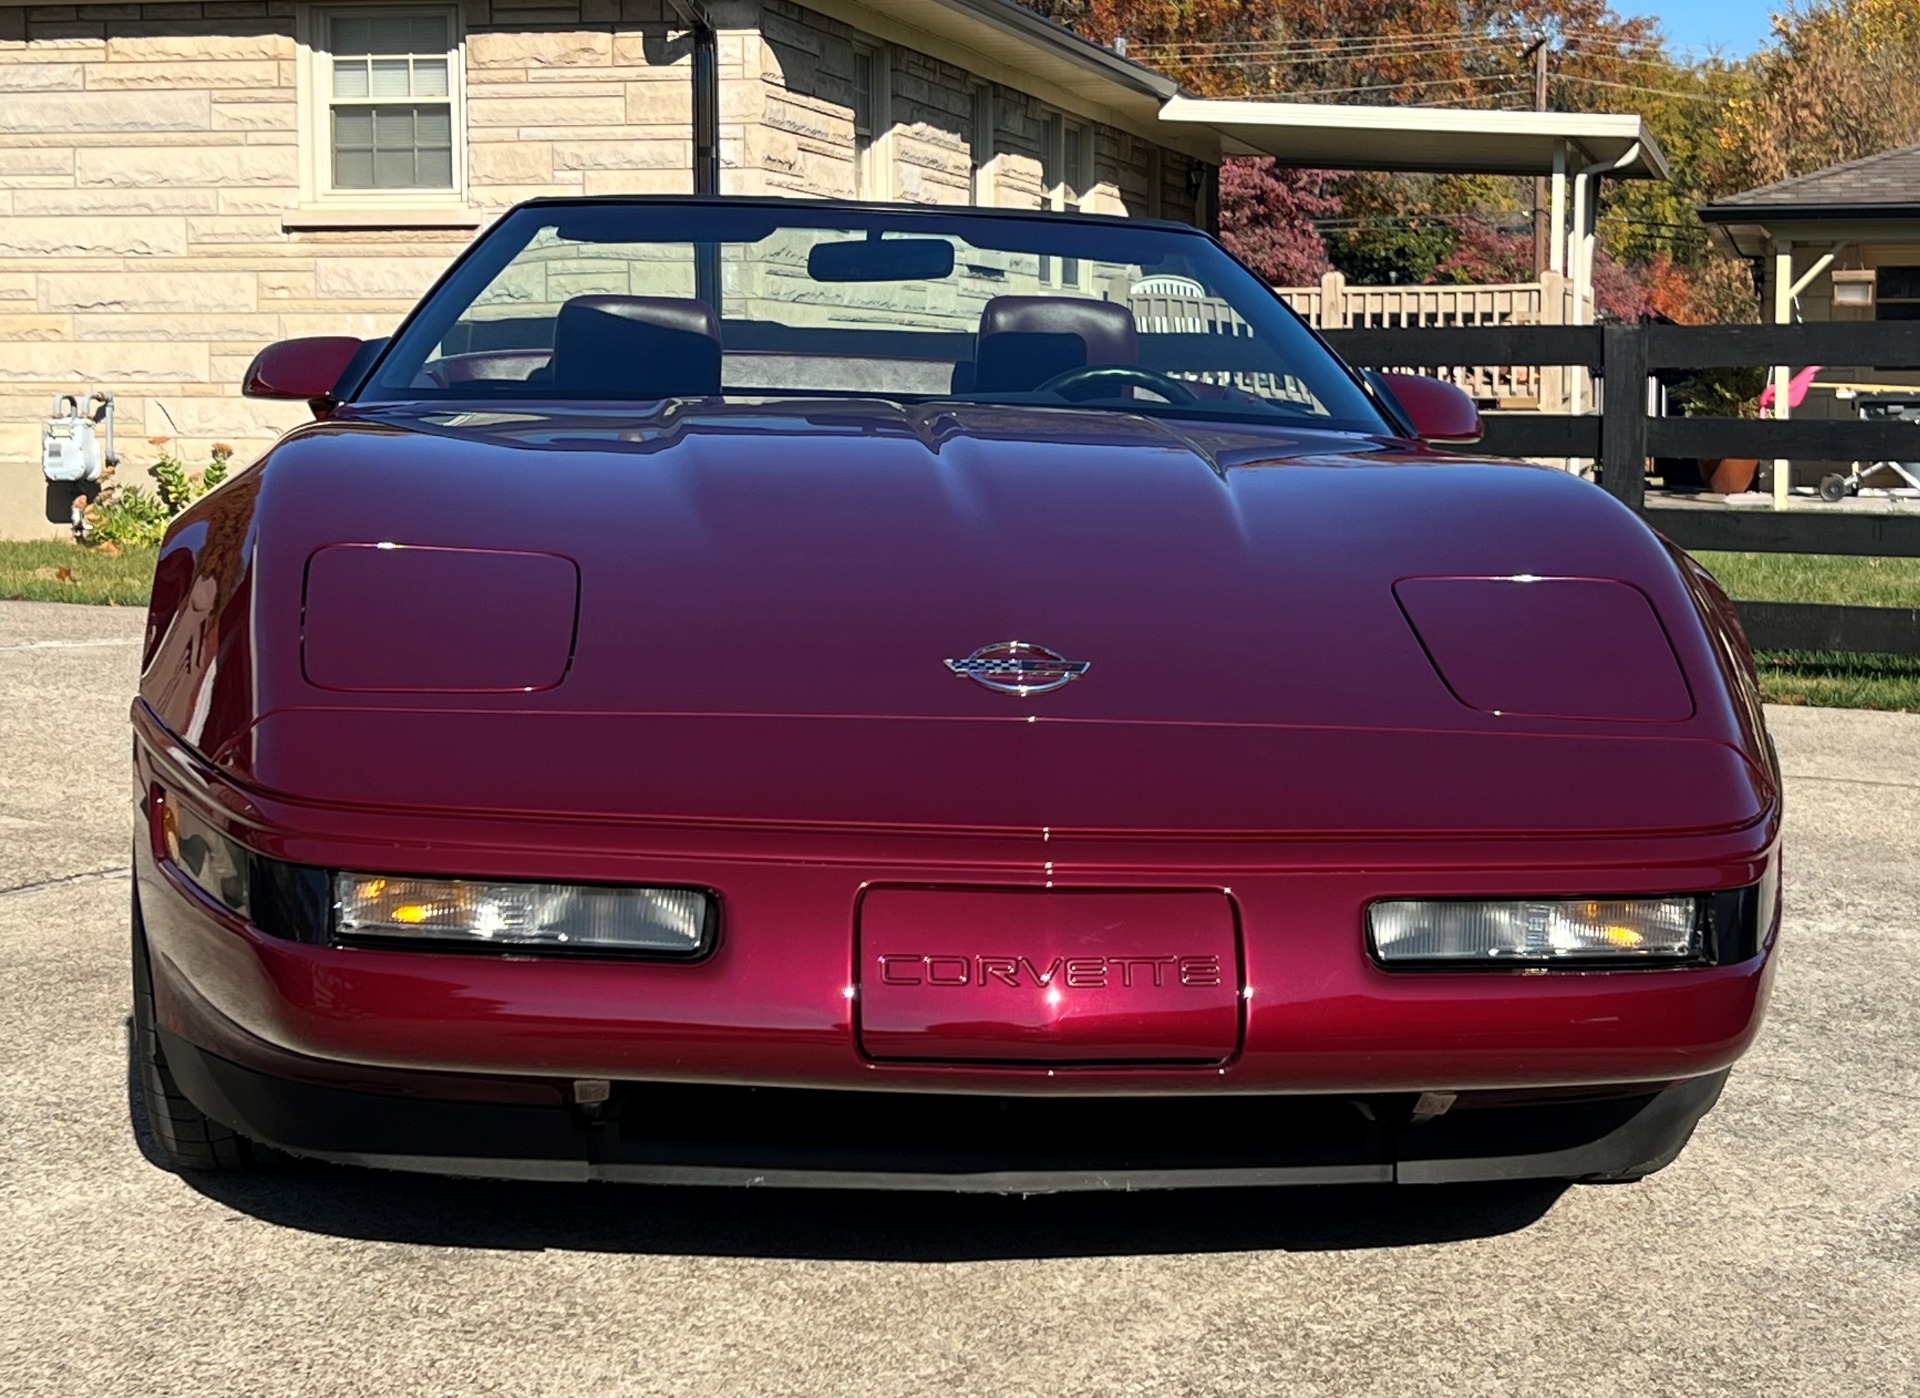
x,y
181,183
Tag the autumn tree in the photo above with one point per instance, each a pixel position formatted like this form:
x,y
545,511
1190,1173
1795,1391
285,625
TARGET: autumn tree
x,y
1838,83
1269,217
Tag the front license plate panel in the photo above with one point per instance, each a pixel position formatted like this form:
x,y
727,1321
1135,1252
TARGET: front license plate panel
x,y
1047,976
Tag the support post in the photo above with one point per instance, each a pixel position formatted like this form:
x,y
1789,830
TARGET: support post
x,y
1783,289
1333,301
1578,255
1623,421
1557,251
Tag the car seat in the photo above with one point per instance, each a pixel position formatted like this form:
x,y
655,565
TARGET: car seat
x,y
636,347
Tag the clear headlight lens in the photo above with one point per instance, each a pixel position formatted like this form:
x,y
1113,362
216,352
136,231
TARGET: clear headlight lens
x,y
536,916
1537,930
214,864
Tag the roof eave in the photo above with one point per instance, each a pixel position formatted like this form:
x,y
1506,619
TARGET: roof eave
x,y
1015,18
1807,213
1432,139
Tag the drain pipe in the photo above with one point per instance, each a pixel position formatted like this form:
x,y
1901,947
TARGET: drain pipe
x,y
1586,199
706,137
706,95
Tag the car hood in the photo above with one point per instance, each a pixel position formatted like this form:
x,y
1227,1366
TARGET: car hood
x,y
765,597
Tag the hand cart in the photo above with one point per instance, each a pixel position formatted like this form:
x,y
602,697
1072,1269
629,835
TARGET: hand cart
x,y
1876,407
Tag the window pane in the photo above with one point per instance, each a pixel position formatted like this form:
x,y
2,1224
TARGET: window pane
x,y
393,34
1899,283
353,169
430,77
429,34
350,78
393,169
1071,175
390,78
433,126
393,147
862,90
435,169
353,128
350,36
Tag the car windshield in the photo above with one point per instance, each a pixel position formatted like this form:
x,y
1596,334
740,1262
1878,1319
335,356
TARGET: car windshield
x,y
636,301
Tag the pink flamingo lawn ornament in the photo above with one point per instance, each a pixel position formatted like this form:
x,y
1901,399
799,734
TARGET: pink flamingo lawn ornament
x,y
1797,388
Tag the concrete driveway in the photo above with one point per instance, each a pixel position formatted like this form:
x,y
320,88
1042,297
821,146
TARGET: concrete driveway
x,y
1780,1256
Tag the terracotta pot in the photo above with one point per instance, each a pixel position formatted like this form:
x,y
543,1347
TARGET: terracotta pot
x,y
1729,475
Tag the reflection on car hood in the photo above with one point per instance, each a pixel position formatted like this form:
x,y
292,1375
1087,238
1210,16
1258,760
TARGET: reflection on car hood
x,y
756,576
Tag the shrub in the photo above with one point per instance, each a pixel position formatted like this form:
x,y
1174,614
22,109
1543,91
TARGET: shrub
x,y
130,516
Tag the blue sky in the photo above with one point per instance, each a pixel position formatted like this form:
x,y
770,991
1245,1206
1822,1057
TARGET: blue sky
x,y
1736,27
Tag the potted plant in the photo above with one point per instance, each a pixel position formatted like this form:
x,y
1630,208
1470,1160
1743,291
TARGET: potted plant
x,y
1724,393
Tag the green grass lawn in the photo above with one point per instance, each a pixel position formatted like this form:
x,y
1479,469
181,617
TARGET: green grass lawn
x,y
55,571
1823,677
52,570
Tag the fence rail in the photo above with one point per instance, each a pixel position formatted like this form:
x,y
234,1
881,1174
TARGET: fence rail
x,y
1621,438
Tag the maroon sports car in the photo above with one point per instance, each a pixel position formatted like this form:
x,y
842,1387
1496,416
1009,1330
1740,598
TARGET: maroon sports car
x,y
817,694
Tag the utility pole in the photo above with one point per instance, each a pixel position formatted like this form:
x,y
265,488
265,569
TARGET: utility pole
x,y
1542,234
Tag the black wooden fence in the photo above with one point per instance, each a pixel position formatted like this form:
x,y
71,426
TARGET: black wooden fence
x,y
1621,437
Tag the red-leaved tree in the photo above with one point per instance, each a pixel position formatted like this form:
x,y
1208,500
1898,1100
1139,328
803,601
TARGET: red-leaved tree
x,y
1267,213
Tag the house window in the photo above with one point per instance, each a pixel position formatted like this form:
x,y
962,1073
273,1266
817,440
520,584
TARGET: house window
x,y
980,150
384,116
1063,179
1897,294
870,123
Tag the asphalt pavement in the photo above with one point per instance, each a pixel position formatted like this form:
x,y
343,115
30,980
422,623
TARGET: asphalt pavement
x,y
1781,1255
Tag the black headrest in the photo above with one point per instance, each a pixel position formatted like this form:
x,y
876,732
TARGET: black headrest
x,y
640,347
1026,340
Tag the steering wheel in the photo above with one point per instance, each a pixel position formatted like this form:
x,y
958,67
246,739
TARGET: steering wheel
x,y
1092,379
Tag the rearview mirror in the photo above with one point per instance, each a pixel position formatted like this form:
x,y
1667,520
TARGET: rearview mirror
x,y
308,368
881,260
1436,410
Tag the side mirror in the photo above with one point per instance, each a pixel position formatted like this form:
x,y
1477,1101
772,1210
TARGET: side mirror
x,y
308,368
1436,410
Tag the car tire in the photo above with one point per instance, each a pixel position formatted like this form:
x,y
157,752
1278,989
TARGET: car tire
x,y
188,1138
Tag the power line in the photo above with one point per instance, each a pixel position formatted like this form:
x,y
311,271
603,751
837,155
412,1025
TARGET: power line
x,y
1636,87
1334,41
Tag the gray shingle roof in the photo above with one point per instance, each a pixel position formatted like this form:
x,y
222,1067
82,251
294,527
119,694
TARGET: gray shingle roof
x,y
1889,178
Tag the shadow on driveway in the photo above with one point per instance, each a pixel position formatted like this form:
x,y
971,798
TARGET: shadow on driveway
x,y
870,1226
853,1225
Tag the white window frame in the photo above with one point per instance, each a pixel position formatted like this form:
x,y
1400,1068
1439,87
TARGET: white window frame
x,y
315,86
873,162
1064,189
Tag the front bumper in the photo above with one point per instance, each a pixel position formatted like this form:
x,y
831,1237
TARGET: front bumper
x,y
807,1138
774,1006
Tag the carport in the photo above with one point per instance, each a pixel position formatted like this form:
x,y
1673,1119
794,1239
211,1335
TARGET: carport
x,y
1573,151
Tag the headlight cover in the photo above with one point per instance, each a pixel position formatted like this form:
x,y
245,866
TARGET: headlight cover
x,y
590,919
212,863
1563,931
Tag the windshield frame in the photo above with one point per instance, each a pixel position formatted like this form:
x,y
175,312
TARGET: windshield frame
x,y
483,260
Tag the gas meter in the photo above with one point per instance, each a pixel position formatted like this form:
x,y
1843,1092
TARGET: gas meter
x,y
70,443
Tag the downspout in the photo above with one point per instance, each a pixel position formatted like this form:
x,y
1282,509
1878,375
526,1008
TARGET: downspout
x,y
1586,204
706,138
706,95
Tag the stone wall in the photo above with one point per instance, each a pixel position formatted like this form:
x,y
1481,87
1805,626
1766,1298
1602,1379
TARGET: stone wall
x,y
153,234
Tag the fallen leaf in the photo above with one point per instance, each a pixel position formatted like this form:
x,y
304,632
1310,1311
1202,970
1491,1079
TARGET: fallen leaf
x,y
110,549
64,575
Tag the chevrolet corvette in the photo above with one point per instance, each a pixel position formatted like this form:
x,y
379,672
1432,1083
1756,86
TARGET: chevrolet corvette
x,y
805,693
